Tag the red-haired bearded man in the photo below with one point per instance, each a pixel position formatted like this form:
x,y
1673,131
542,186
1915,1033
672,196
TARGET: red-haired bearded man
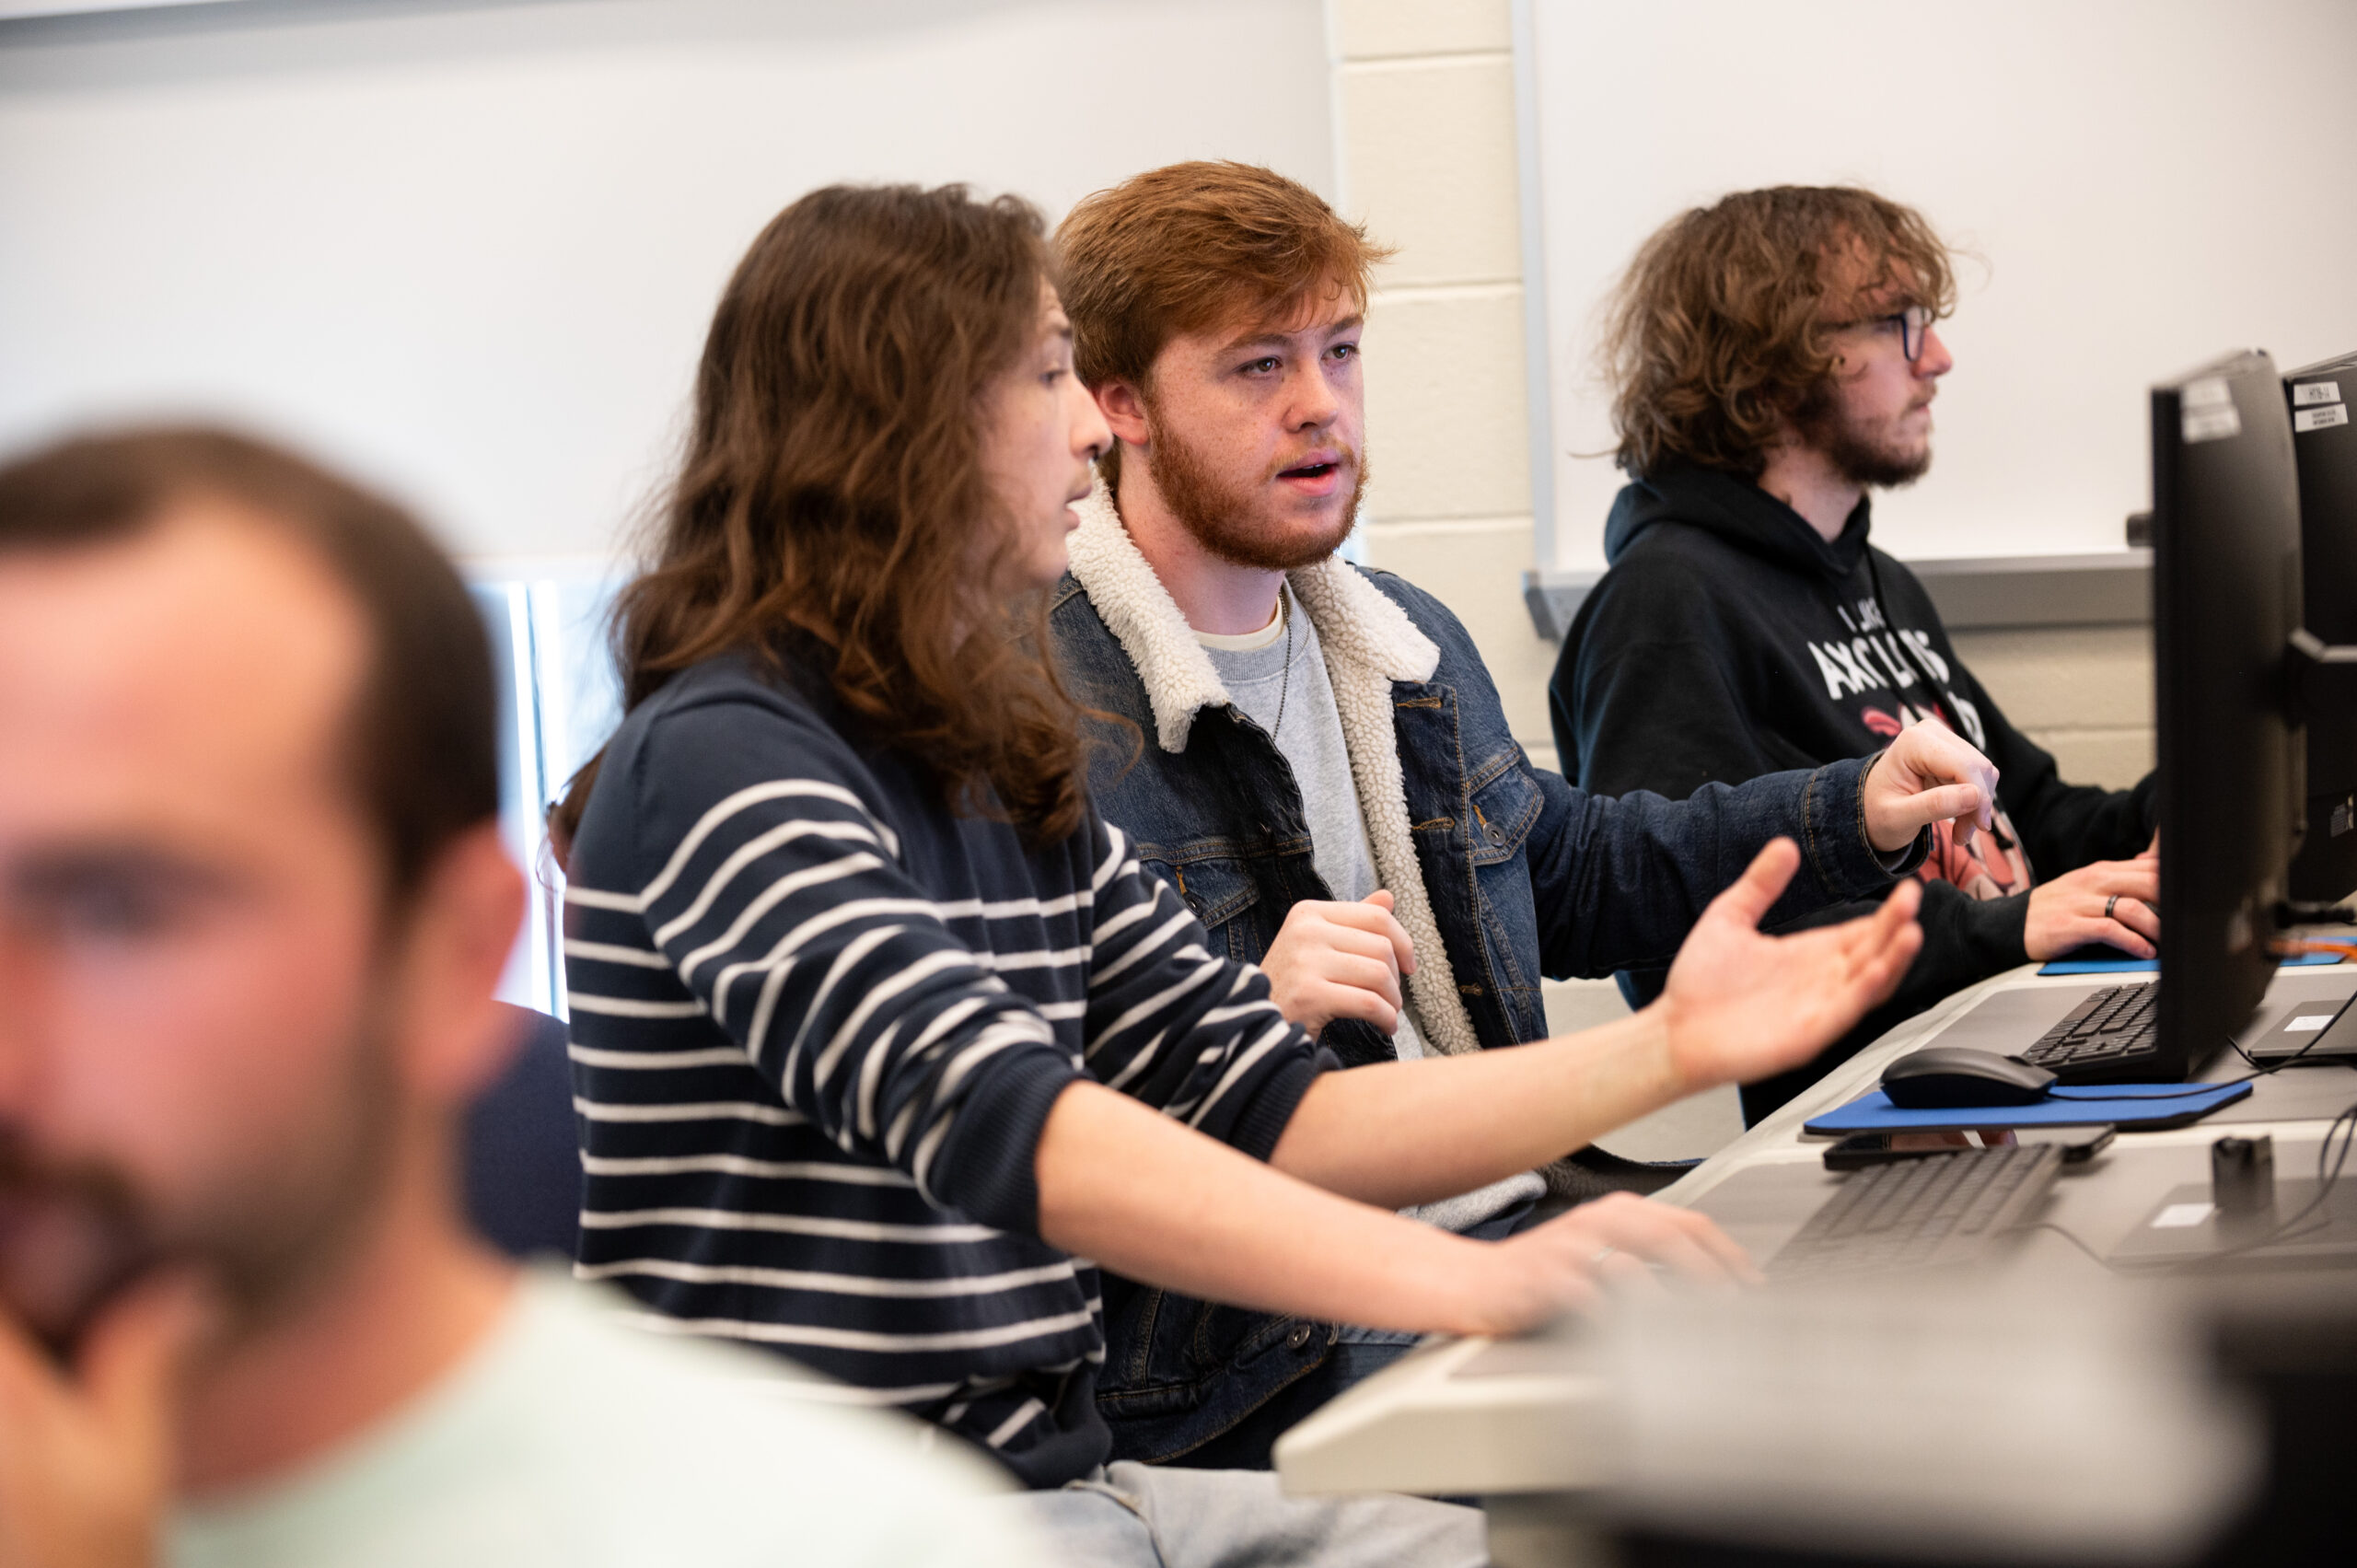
x,y
1327,778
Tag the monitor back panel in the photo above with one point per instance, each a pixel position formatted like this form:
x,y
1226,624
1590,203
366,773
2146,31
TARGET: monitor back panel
x,y
2325,442
2226,596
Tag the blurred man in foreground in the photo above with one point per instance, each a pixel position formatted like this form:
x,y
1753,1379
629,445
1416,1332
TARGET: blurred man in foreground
x,y
253,908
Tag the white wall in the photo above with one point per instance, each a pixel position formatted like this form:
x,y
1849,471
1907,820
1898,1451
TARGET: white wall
x,y
1425,128
470,246
2150,182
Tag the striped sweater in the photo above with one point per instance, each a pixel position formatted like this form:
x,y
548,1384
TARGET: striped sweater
x,y
817,1023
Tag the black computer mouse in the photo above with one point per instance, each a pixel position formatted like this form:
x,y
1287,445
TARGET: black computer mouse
x,y
1950,1076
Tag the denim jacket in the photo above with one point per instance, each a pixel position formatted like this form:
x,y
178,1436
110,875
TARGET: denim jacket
x,y
1524,877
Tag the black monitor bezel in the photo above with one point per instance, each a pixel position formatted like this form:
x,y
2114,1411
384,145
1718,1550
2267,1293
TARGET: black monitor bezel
x,y
2323,872
2226,598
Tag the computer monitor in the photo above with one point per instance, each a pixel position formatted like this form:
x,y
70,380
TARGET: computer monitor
x,y
2226,600
2325,871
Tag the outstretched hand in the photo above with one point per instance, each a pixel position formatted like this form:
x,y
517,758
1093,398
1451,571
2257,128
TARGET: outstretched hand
x,y
1927,775
1740,1004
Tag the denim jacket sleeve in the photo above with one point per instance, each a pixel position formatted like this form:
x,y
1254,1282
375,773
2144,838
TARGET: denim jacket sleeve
x,y
1620,881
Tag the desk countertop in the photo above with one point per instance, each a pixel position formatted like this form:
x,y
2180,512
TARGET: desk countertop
x,y
1765,1185
1508,1424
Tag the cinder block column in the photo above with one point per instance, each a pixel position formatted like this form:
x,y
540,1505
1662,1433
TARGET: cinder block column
x,y
1424,144
2084,693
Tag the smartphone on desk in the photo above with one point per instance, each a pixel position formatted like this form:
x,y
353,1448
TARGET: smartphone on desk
x,y
1862,1149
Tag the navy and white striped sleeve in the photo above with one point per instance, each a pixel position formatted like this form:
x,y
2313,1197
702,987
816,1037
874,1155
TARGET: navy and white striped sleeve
x,y
782,904
1169,1024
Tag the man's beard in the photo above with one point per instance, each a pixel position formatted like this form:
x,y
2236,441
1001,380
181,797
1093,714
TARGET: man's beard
x,y
1855,452
1219,514
73,1234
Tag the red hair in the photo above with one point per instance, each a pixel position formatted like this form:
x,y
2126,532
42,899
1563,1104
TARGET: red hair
x,y
1185,248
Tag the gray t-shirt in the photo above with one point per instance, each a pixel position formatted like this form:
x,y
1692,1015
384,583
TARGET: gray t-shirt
x,y
1309,735
1311,740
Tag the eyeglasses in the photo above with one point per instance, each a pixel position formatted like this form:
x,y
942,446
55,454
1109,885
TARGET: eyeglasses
x,y
1914,325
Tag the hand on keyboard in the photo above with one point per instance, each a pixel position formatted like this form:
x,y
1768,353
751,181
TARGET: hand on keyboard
x,y
1618,1239
2069,911
1740,1004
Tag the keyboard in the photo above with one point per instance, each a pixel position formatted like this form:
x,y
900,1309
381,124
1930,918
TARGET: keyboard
x,y
2112,1037
1923,1213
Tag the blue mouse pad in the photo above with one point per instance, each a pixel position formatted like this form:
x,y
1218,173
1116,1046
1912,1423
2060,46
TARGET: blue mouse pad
x,y
2148,1106
2111,960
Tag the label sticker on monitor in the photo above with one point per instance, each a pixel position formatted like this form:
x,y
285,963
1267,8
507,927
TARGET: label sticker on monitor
x,y
2307,1023
2308,419
2307,394
2181,1216
2211,391
2201,424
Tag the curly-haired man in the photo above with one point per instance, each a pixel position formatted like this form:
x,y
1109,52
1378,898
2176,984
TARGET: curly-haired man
x,y
1774,359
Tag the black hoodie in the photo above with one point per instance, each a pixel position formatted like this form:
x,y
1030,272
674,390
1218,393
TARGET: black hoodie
x,y
1729,639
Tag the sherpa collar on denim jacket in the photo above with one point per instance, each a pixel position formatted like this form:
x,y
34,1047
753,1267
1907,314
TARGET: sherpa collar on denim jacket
x,y
1369,643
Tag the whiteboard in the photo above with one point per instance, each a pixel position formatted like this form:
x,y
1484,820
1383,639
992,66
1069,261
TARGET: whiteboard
x,y
2142,185
469,247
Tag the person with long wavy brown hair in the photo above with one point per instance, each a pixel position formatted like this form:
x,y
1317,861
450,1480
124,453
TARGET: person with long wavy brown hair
x,y
828,500
1773,358
884,1041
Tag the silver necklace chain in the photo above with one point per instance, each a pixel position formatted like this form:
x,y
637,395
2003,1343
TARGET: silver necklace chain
x,y
1284,608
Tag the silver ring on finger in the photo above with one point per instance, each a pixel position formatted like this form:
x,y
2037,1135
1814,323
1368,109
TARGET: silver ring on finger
x,y
2109,904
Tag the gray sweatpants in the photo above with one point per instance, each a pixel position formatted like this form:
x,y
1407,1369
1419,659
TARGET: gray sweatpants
x,y
1132,1516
